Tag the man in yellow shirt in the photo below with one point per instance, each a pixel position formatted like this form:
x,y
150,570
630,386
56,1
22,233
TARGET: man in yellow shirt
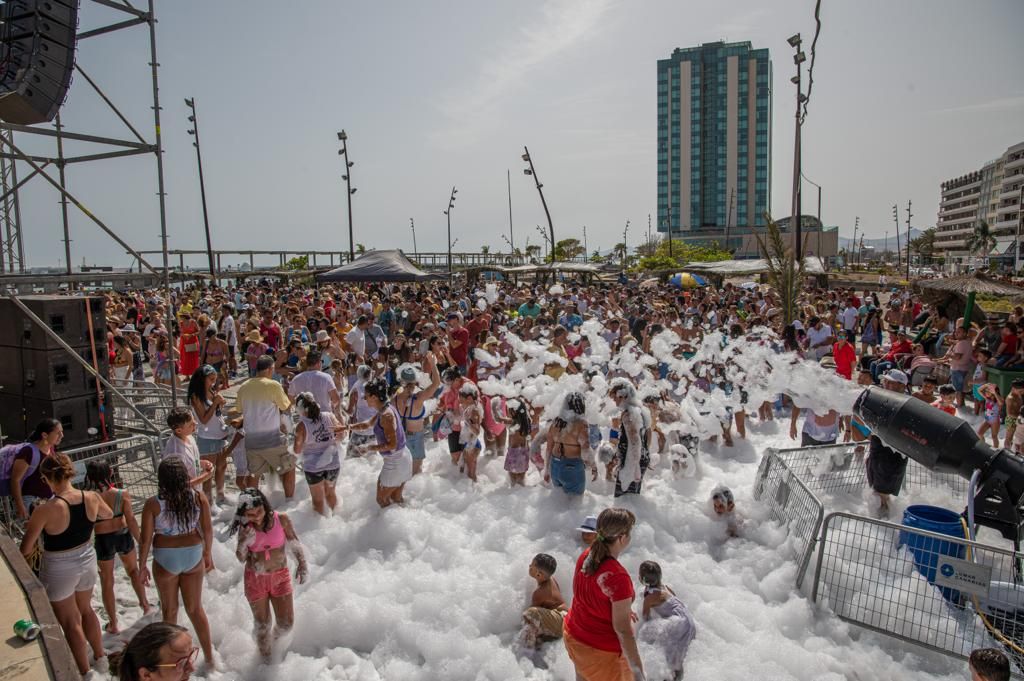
x,y
262,401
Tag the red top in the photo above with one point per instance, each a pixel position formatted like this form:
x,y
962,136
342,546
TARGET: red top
x,y
899,348
589,619
1011,344
271,334
460,354
845,357
948,408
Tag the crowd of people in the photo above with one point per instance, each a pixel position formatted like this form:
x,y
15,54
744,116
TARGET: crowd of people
x,y
573,382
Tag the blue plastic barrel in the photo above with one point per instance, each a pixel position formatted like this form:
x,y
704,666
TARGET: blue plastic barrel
x,y
926,549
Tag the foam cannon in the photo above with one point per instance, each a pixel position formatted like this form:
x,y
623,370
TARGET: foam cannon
x,y
947,444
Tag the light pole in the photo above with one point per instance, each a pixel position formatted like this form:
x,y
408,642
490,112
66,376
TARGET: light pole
x,y
415,251
886,256
798,58
532,172
191,104
349,191
909,215
625,245
821,225
668,219
448,214
896,219
853,246
511,235
586,253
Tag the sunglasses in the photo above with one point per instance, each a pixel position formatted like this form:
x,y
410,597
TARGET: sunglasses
x,y
180,665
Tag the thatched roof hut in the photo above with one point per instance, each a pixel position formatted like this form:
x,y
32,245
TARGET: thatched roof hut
x,y
952,293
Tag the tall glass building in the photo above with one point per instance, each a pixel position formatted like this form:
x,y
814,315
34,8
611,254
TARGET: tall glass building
x,y
714,139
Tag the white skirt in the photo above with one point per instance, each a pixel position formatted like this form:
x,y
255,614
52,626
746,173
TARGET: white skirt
x,y
397,468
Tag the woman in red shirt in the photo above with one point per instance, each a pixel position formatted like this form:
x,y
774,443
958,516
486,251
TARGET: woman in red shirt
x,y
598,629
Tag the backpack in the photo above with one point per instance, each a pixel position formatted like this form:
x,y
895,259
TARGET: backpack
x,y
7,454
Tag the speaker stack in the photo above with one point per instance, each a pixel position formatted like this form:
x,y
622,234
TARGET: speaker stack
x,y
37,56
40,379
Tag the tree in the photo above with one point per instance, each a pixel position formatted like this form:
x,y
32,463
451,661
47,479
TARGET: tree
x,y
619,251
596,257
532,251
298,263
567,249
924,245
982,240
360,249
485,249
657,262
784,273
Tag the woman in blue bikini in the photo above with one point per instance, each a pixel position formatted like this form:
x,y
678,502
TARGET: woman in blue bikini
x,y
176,526
411,405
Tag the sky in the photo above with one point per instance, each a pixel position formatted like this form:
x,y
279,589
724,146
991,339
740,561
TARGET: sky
x,y
440,94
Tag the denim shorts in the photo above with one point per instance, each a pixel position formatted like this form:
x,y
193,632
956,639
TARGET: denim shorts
x,y
569,474
417,445
957,378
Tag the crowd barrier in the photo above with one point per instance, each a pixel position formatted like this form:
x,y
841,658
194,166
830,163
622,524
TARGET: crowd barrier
x,y
868,575
153,400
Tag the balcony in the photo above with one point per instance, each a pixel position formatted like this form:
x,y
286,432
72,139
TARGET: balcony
x,y
949,245
956,210
956,221
1006,224
1010,194
1015,163
1010,207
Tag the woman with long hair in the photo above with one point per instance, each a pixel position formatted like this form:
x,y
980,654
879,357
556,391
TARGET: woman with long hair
x,y
316,442
598,629
115,537
568,442
68,572
159,652
177,528
387,428
471,432
634,438
26,482
211,430
265,537
188,345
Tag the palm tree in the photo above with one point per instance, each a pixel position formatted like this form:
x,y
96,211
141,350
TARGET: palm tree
x,y
982,240
784,273
360,249
924,245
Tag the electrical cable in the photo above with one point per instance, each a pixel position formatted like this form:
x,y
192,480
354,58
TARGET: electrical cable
x,y
810,69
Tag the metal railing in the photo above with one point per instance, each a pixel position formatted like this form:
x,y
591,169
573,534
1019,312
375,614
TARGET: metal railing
x,y
830,470
133,462
153,400
921,587
790,502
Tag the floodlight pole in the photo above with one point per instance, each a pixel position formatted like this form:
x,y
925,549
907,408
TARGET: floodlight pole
x,y
540,190
343,137
61,163
798,59
194,120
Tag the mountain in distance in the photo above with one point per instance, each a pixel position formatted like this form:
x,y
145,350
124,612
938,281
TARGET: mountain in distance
x,y
879,243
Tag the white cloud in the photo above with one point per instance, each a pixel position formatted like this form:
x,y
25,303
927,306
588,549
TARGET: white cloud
x,y
562,25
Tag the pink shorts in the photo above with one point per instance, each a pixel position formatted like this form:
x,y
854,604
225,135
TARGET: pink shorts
x,y
260,585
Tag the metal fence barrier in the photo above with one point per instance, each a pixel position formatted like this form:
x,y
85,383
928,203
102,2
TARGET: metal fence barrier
x,y
829,470
790,502
133,461
921,587
151,399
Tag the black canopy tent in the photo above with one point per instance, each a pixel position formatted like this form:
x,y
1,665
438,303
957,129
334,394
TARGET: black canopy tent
x,y
379,266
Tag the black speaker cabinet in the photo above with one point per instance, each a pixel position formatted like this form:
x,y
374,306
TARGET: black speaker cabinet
x,y
50,374
65,315
80,417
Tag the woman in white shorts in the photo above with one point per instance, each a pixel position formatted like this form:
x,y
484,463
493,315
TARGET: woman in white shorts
x,y
387,428
69,561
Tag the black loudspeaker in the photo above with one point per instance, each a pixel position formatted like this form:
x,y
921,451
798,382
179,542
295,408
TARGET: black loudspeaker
x,y
65,315
37,58
51,374
80,417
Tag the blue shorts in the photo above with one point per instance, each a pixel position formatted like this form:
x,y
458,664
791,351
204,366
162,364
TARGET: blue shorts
x,y
209,447
569,474
415,443
957,378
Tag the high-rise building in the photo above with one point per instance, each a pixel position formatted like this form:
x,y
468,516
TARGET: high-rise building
x,y
992,194
714,139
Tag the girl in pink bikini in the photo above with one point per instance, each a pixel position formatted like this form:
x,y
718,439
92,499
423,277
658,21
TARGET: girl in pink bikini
x,y
263,537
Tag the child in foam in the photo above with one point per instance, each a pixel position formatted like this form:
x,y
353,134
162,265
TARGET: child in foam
x,y
542,621
517,458
264,538
724,506
667,623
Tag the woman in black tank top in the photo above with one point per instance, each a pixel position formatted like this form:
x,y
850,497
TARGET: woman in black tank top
x,y
68,571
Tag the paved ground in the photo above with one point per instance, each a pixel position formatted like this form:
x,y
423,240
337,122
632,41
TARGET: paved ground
x,y
19,660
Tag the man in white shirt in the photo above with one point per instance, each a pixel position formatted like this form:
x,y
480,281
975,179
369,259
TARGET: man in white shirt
x,y
228,328
849,315
819,337
314,380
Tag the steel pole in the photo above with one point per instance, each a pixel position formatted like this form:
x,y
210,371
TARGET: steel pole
x,y
511,234
154,64
202,191
798,246
348,198
543,202
61,163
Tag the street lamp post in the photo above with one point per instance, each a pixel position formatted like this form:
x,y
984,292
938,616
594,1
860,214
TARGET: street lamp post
x,y
191,104
533,172
909,215
349,191
821,225
415,251
448,214
798,58
668,219
625,245
896,219
586,253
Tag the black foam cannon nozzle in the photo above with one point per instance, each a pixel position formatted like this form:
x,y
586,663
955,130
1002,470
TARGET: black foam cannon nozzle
x,y
947,444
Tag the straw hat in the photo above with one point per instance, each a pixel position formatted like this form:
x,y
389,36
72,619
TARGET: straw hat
x,y
254,337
